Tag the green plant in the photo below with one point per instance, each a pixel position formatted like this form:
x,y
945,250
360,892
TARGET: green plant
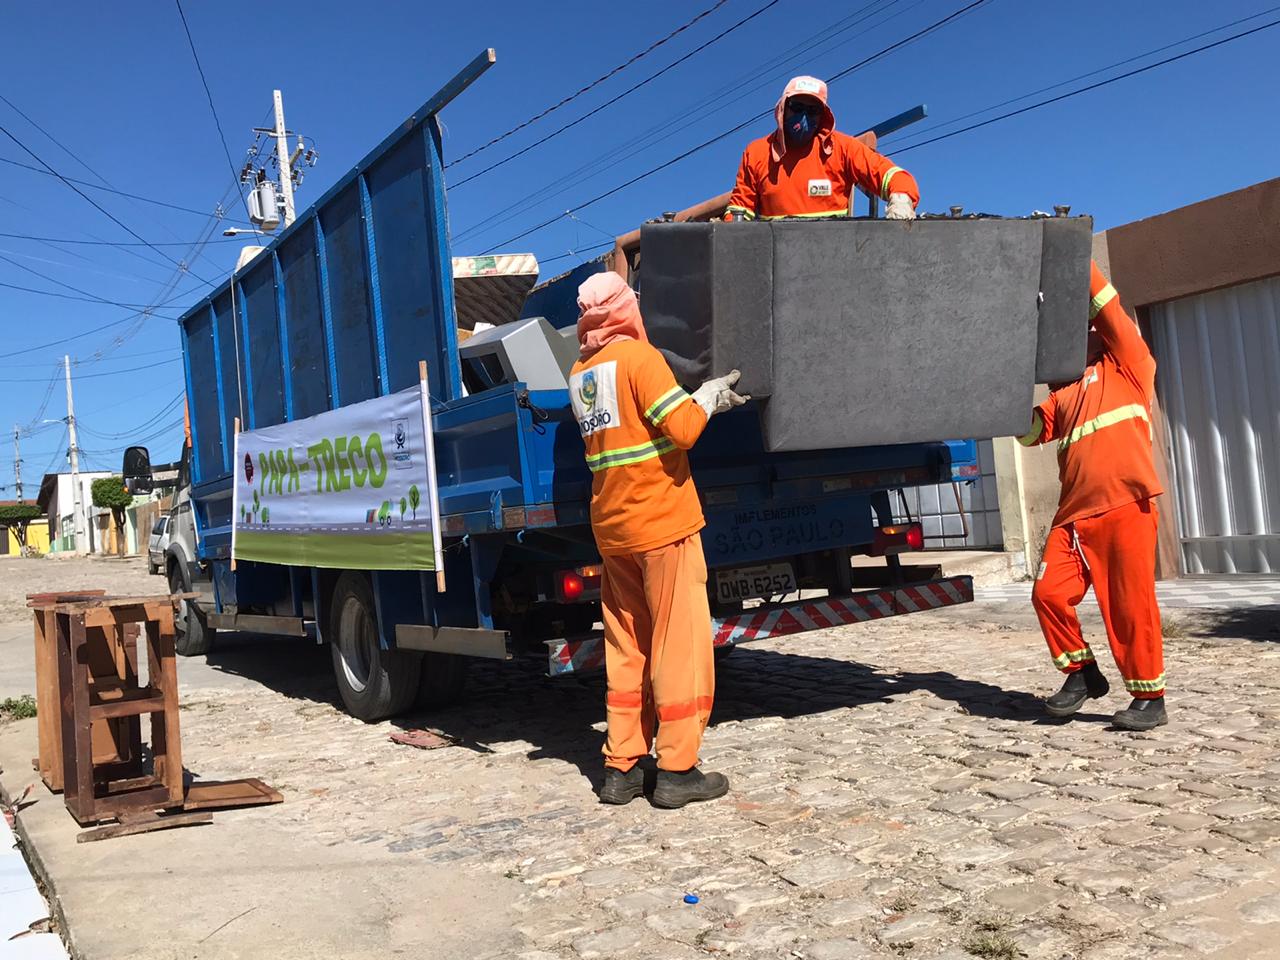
x,y
404,505
109,493
415,498
18,708
17,517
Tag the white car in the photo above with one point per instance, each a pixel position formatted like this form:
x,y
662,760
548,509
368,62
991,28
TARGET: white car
x,y
157,545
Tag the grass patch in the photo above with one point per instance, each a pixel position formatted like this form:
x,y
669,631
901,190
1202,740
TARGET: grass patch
x,y
1174,628
18,708
992,946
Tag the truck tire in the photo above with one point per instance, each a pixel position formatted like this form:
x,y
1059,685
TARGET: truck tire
x,y
193,637
374,683
444,680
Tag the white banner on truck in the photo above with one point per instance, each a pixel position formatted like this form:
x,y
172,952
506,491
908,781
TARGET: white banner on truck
x,y
352,488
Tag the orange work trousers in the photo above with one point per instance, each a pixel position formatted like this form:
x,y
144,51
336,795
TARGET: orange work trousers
x,y
658,656
1115,553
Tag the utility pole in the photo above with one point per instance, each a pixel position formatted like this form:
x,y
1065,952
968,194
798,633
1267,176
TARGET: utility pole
x,y
283,158
17,462
77,518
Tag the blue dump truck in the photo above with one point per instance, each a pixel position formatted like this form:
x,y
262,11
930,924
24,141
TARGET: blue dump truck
x,y
341,308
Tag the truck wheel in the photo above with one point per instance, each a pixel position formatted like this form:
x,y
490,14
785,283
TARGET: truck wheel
x,y
444,680
192,634
374,683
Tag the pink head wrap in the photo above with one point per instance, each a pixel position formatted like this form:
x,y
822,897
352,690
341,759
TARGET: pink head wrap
x,y
607,311
803,87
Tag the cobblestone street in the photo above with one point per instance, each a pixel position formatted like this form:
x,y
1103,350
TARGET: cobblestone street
x,y
896,792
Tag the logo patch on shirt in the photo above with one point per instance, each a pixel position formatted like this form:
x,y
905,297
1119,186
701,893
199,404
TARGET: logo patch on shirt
x,y
594,393
819,188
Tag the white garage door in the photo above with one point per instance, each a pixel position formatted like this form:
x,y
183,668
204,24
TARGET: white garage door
x,y
1219,385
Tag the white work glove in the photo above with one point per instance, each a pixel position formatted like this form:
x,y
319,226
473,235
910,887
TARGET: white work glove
x,y
899,208
717,396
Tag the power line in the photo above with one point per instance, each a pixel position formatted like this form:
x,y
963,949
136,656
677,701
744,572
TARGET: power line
x,y
86,295
205,82
1090,87
62,340
145,425
105,373
112,243
593,84
103,210
921,131
630,90
936,25
67,296
121,193
809,47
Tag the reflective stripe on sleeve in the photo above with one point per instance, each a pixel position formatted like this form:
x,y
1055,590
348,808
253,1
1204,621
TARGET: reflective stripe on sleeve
x,y
1134,411
1101,299
659,409
884,183
1032,436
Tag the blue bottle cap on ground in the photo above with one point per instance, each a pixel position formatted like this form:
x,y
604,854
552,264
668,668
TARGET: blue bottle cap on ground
x,y
690,898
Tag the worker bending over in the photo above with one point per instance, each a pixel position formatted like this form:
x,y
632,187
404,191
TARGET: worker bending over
x,y
806,168
637,424
1104,534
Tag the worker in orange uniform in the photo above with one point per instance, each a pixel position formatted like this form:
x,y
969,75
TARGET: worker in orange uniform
x,y
637,423
1104,534
806,168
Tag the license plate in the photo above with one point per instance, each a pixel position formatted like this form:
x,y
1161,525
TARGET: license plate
x,y
748,583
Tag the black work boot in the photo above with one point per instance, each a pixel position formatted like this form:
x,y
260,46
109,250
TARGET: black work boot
x,y
1080,685
674,789
1142,715
620,788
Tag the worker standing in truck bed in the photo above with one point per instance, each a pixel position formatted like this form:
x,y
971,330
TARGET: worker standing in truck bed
x,y
806,168
1104,533
636,424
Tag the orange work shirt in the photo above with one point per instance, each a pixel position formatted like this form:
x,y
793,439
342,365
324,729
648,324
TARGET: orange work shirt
x,y
1102,422
636,424
815,183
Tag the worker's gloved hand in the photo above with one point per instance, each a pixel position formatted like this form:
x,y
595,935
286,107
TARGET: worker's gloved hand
x,y
899,208
717,396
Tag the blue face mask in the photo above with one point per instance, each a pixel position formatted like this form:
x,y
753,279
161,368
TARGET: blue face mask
x,y
799,128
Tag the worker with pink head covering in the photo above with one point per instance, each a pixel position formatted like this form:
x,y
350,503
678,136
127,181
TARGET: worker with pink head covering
x,y
806,168
637,424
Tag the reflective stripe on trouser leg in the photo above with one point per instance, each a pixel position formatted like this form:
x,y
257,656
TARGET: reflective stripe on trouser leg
x,y
1121,547
1064,660
682,666
1062,583
628,632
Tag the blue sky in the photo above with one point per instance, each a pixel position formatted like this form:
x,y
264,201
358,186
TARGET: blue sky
x,y
116,85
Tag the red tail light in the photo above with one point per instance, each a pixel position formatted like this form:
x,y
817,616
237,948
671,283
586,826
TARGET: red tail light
x,y
899,538
571,586
915,537
580,584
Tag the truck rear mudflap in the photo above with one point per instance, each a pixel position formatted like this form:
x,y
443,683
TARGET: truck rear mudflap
x,y
566,657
